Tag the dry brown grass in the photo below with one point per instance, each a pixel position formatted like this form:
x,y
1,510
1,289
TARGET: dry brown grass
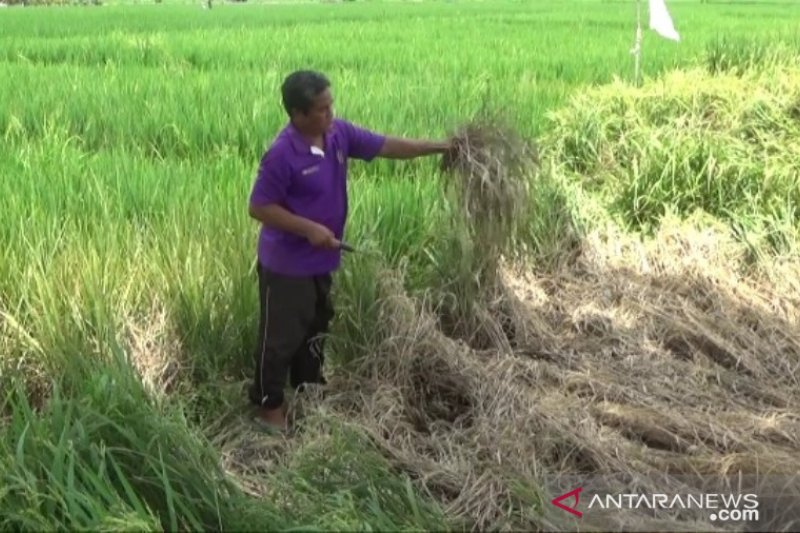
x,y
154,349
658,360
490,169
489,166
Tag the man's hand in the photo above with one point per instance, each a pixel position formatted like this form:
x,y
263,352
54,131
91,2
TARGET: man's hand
x,y
278,217
320,236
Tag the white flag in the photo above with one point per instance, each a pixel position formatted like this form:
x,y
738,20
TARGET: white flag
x,y
661,22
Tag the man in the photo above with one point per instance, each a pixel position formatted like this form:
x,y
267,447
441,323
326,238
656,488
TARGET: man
x,y
300,198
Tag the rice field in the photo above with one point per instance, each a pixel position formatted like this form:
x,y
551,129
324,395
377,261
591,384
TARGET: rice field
x,y
131,135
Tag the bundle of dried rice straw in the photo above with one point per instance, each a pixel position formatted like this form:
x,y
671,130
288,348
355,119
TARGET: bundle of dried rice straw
x,y
489,168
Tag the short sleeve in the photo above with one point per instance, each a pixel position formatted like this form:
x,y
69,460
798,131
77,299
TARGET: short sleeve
x,y
362,144
272,180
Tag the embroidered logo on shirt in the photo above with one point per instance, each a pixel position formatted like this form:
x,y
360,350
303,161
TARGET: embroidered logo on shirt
x,y
317,151
310,170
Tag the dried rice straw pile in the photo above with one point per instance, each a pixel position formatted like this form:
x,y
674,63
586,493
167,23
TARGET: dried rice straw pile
x,y
489,168
648,367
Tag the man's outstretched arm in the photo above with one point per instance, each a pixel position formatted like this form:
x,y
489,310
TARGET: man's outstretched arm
x,y
398,148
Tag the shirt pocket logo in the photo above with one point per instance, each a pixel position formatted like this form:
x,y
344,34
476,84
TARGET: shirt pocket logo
x,y
310,170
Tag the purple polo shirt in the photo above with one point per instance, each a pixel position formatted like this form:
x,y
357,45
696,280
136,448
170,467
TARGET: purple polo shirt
x,y
310,185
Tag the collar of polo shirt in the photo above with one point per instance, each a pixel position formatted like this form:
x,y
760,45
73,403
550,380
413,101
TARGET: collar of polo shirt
x,y
301,145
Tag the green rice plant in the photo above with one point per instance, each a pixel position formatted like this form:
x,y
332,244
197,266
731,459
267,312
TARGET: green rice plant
x,y
109,459
684,142
375,498
738,55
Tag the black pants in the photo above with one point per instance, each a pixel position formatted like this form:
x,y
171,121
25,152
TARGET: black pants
x,y
295,313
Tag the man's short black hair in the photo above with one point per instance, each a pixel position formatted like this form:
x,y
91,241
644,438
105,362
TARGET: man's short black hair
x,y
300,88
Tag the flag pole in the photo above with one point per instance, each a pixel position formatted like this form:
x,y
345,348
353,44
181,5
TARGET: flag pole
x,y
661,22
637,47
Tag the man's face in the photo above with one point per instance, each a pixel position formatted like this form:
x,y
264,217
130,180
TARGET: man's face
x,y
319,118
